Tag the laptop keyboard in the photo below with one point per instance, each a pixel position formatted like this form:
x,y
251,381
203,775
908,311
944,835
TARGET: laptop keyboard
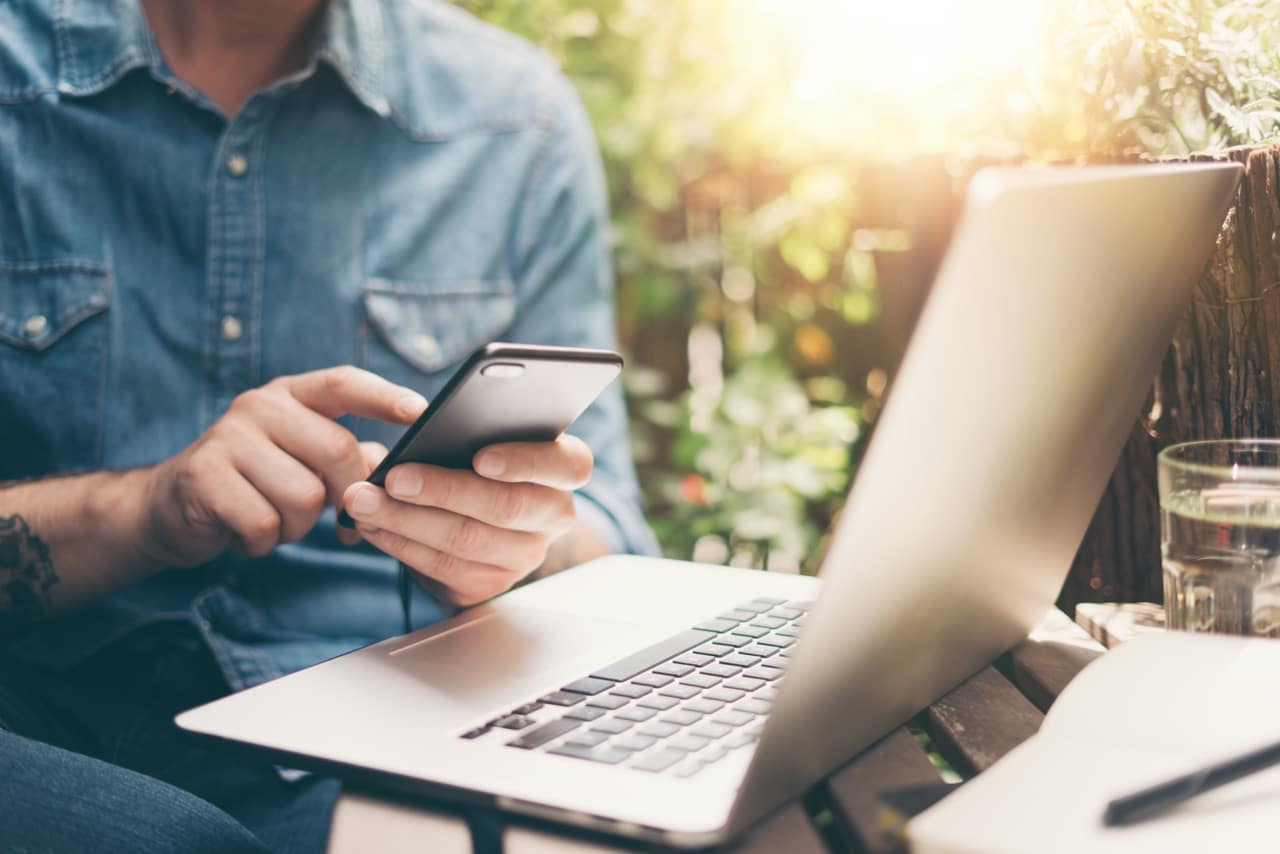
x,y
675,707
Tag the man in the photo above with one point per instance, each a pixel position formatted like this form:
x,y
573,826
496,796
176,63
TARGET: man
x,y
206,206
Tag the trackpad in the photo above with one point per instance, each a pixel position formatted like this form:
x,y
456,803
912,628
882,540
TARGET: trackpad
x,y
514,651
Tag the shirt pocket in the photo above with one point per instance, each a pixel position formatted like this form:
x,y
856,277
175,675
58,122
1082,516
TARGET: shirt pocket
x,y
417,330
53,342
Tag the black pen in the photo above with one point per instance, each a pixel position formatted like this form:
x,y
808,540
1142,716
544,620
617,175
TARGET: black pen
x,y
1148,802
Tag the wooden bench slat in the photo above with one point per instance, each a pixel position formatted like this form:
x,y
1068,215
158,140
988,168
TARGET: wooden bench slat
x,y
364,823
982,720
789,829
1113,623
1043,664
896,761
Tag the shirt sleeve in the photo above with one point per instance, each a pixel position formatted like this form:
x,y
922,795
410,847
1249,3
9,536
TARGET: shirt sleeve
x,y
564,280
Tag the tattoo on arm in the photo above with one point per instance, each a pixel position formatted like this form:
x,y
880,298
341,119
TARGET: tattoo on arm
x,y
26,571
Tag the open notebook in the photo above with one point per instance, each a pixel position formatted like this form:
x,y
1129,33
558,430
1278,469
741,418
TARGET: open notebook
x,y
1155,707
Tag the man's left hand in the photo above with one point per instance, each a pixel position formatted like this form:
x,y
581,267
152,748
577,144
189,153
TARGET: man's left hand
x,y
476,532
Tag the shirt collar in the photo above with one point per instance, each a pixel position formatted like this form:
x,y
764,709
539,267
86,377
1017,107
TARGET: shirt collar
x,y
99,41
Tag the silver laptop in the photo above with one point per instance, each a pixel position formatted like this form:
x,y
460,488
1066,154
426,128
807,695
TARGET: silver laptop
x,y
679,703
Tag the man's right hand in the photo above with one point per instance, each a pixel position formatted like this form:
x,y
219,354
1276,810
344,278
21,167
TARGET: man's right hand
x,y
265,471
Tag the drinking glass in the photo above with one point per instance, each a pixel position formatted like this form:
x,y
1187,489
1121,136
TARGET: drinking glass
x,y
1220,536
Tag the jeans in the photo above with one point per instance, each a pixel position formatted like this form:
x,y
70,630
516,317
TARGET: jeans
x,y
90,760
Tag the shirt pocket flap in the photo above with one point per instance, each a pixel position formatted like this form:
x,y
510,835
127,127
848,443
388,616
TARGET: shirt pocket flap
x,y
432,325
41,301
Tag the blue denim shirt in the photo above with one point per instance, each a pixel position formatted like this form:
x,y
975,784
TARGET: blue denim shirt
x,y
425,185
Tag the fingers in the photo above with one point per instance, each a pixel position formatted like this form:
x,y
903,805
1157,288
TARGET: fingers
x,y
461,537
334,392
467,582
252,521
373,453
322,445
565,463
517,506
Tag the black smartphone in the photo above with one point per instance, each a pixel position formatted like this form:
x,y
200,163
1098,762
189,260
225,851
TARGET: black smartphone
x,y
502,393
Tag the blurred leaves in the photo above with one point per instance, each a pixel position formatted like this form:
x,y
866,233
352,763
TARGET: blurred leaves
x,y
738,137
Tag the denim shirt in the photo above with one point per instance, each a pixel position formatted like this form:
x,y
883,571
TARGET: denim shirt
x,y
424,185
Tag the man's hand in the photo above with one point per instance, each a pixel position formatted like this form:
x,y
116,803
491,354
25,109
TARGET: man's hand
x,y
476,533
264,472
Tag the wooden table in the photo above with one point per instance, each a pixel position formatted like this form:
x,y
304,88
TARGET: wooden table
x,y
971,727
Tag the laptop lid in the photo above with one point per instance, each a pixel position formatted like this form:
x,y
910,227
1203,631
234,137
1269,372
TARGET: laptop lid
x,y
1058,297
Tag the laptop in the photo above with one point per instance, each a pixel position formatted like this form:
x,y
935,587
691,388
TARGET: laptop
x,y
678,703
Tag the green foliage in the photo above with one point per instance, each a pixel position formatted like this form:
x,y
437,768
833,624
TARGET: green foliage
x,y
750,244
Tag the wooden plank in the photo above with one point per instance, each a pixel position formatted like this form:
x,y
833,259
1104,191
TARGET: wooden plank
x,y
1050,657
363,823
1113,623
896,761
982,720
787,829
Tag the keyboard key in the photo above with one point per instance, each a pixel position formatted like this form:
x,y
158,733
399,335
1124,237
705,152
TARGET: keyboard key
x,y
733,718
786,613
769,673
723,695
673,669
607,755
657,701
608,701
739,739
759,651
652,680
769,600
754,607
630,691
588,685
801,606
695,659
737,615
699,680
777,640
711,729
754,706
745,683
639,662
750,631
724,671
714,649
682,717
784,653
733,639
717,625
612,726
768,692
477,732
688,742
563,698
658,760
680,692
589,738
585,713
768,623
788,632
527,708
658,729
539,736
739,660
634,742
631,713
714,753
688,769
703,707
514,722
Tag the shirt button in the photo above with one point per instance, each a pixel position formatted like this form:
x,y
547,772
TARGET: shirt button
x,y
237,165
232,328
426,344
36,325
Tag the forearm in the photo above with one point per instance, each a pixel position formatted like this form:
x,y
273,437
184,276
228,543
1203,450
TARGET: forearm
x,y
68,541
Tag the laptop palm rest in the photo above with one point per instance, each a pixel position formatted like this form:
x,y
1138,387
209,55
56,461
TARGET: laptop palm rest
x,y
509,652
